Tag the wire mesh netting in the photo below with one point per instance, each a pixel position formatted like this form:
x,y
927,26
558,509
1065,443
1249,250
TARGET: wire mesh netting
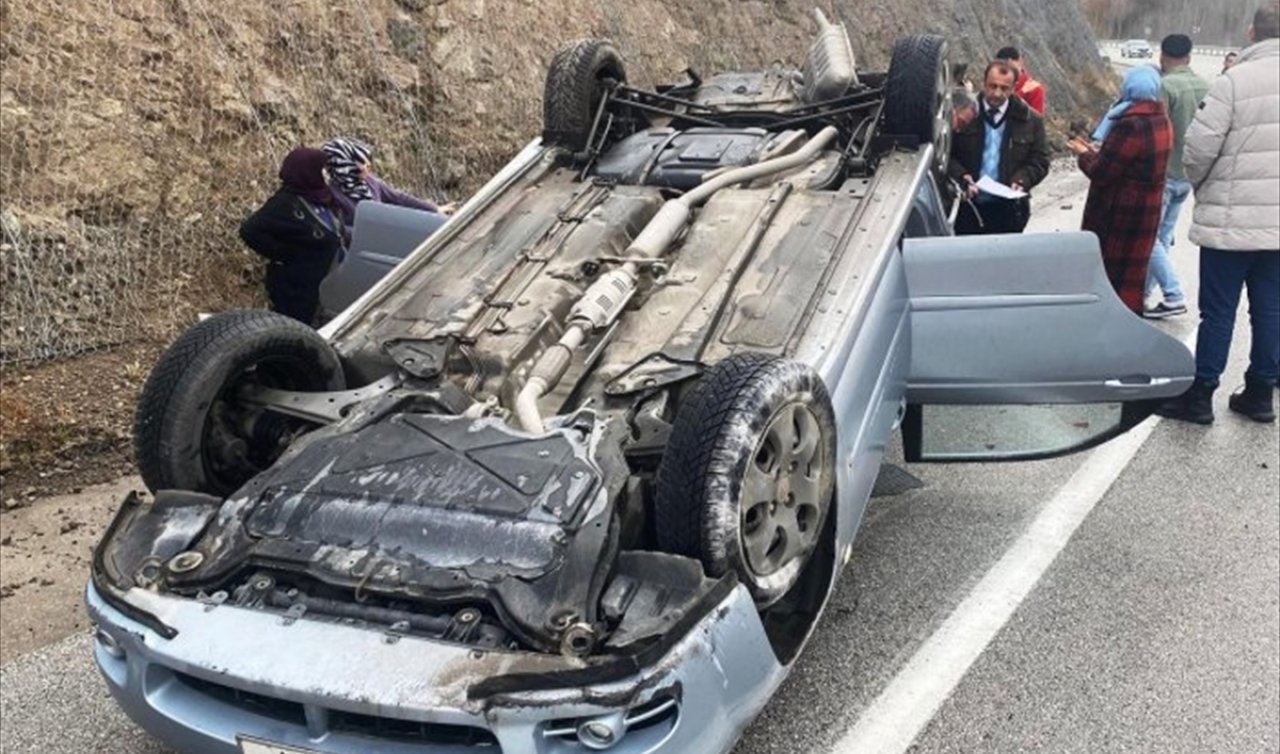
x,y
135,136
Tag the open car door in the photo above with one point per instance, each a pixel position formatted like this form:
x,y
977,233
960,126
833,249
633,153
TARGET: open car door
x,y
1020,350
382,236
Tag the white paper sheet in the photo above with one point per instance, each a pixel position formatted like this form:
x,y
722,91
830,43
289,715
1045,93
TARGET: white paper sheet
x,y
988,185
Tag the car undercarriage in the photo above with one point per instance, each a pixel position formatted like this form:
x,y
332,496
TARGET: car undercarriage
x,y
589,456
695,224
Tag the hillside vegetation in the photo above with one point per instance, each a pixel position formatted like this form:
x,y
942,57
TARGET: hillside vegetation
x,y
136,134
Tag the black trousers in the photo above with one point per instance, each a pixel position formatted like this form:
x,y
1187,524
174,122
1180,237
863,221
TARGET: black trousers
x,y
294,286
994,215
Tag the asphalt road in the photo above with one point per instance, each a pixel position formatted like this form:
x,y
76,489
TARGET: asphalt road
x,y
1155,628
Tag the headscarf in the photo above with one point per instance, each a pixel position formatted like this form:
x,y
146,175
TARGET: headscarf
x,y
346,156
1141,84
302,173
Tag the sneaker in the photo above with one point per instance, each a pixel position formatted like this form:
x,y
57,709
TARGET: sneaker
x,y
1164,310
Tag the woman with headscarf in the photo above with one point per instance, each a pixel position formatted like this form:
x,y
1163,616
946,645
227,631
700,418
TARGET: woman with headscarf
x,y
353,180
299,232
1126,189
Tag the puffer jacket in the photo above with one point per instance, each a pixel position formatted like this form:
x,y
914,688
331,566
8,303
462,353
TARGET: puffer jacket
x,y
1232,155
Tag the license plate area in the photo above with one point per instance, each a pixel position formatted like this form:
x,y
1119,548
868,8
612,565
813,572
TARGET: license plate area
x,y
256,746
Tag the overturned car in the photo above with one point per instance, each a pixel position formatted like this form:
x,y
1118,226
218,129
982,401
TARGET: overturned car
x,y
580,474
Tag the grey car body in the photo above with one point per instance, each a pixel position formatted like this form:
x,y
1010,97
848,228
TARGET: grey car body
x,y
424,571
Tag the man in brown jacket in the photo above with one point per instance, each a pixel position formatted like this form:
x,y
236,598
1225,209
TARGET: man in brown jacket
x,y
1006,143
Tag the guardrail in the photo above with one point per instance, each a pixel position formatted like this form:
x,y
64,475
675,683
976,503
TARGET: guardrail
x,y
1109,44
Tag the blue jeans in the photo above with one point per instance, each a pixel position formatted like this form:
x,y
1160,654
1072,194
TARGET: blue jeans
x,y
1160,269
1222,275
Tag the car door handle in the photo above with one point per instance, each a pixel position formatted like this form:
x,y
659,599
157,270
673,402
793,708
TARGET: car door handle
x,y
377,258
1128,382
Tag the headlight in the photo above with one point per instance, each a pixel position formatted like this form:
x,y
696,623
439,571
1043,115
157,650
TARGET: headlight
x,y
109,644
651,722
600,733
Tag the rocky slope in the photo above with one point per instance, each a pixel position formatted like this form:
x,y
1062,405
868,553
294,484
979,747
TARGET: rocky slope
x,y
1224,22
135,135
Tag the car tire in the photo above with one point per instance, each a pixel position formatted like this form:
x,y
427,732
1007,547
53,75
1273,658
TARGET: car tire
x,y
576,81
190,433
748,475
917,99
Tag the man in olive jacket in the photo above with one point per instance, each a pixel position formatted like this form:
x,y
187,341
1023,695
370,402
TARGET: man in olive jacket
x,y
1232,159
1006,143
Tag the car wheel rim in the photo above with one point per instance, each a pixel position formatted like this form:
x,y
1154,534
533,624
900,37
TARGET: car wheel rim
x,y
942,118
782,502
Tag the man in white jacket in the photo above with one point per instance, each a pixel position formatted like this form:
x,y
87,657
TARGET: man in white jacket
x,y
1232,159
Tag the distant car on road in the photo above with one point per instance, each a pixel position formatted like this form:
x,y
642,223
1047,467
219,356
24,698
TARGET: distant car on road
x,y
1136,48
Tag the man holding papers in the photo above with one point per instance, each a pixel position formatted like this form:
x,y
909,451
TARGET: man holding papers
x,y
997,158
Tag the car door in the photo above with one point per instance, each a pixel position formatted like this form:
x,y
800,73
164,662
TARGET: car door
x,y
381,237
1020,350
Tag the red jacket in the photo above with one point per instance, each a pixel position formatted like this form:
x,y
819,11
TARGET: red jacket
x,y
1126,192
1030,91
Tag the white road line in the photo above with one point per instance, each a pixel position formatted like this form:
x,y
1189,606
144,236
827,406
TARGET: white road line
x,y
914,695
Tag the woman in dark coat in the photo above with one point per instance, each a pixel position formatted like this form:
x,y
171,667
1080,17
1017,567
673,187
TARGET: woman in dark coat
x,y
1126,188
299,232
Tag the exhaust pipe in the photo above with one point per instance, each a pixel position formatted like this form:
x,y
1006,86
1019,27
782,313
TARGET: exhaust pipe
x,y
604,300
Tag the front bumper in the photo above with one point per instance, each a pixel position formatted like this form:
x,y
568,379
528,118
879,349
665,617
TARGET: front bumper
x,y
231,673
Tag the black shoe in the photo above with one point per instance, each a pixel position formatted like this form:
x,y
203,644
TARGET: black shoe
x,y
1195,405
1254,402
1164,310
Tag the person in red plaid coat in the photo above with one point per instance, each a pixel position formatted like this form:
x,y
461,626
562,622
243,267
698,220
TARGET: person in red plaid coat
x,y
1126,189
